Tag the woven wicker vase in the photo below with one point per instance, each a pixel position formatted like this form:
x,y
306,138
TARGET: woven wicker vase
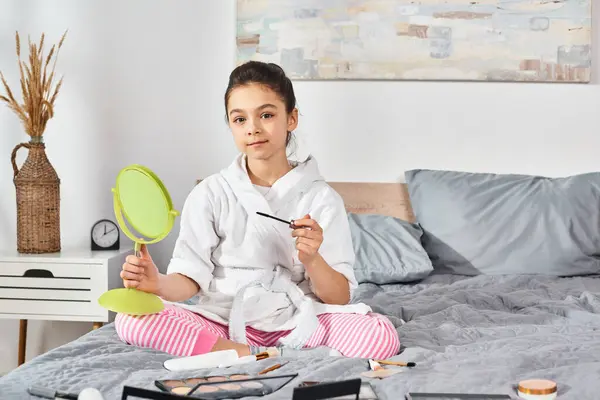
x,y
38,201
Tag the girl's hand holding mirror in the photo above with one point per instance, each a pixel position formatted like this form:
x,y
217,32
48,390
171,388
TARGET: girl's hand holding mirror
x,y
142,204
141,273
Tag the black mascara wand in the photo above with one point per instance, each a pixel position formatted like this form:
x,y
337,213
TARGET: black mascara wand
x,y
289,223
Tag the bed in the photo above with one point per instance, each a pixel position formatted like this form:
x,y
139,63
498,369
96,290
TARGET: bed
x,y
467,333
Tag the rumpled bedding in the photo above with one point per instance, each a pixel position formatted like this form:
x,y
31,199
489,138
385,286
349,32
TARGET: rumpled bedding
x,y
478,334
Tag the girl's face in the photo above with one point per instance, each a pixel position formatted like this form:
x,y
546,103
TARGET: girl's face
x,y
259,121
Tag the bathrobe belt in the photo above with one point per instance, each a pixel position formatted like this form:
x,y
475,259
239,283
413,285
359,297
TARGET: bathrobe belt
x,y
277,280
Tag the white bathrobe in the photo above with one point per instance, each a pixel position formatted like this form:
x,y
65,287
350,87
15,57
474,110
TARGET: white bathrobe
x,y
247,265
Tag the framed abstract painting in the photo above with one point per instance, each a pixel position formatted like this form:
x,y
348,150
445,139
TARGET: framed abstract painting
x,y
484,40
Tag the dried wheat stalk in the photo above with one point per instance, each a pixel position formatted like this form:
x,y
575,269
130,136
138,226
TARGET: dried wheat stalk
x,y
37,88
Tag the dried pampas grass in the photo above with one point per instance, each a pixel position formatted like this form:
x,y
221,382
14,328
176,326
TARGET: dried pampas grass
x,y
37,86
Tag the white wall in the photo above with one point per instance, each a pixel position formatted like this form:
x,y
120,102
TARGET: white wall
x,y
140,71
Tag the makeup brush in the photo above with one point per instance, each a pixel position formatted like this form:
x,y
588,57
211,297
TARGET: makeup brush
x,y
269,353
272,368
396,363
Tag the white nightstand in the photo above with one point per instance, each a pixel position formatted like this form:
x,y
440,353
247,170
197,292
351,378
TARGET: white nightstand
x,y
61,286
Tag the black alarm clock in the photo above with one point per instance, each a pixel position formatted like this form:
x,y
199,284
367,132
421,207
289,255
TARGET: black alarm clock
x,y
105,235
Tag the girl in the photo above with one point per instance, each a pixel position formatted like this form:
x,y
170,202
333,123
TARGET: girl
x,y
238,280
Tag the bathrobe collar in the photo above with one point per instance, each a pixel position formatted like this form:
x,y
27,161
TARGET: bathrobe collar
x,y
297,181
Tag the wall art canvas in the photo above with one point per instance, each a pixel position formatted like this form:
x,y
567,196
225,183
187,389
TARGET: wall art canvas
x,y
483,40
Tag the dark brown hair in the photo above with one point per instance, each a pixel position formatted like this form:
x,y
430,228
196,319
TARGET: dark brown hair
x,y
267,74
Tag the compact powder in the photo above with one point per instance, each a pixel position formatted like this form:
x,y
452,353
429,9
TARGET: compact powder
x,y
251,385
181,390
230,386
207,389
173,383
238,377
537,389
216,379
194,381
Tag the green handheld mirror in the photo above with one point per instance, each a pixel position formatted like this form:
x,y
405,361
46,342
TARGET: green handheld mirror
x,y
140,197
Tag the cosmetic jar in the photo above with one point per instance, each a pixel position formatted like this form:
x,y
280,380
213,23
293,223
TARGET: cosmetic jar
x,y
537,389
90,394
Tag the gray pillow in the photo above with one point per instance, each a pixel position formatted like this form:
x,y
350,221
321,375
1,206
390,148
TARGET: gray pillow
x,y
494,224
388,249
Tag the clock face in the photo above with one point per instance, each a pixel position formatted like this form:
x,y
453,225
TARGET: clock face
x,y
105,233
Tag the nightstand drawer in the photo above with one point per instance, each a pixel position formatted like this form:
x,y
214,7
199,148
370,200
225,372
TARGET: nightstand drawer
x,y
51,288
44,294
47,270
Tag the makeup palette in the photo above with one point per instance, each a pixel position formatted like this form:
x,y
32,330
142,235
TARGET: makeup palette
x,y
224,386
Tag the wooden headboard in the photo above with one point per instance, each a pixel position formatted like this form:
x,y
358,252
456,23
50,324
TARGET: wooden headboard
x,y
390,199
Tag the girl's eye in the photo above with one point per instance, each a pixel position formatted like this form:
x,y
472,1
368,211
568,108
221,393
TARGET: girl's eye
x,y
267,115
238,120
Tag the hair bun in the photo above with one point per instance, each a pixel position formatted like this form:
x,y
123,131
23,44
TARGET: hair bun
x,y
269,74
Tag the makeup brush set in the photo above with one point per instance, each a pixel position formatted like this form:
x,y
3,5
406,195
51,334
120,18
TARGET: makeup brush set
x,y
244,385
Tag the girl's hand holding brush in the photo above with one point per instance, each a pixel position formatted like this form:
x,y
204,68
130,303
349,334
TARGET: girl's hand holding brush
x,y
309,237
328,284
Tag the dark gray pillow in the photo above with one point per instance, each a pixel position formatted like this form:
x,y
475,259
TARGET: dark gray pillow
x,y
388,249
494,224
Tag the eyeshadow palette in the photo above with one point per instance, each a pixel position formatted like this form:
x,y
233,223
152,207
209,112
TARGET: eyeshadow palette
x,y
224,386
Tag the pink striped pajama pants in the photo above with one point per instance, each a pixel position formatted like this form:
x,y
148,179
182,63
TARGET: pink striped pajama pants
x,y
180,332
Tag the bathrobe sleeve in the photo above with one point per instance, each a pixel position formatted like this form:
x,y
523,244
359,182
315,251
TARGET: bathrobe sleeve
x,y
197,238
337,249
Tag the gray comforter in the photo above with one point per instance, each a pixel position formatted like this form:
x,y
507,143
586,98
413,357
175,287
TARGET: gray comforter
x,y
480,334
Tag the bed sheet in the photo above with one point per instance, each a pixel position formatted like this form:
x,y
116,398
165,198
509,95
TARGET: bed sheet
x,y
470,334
